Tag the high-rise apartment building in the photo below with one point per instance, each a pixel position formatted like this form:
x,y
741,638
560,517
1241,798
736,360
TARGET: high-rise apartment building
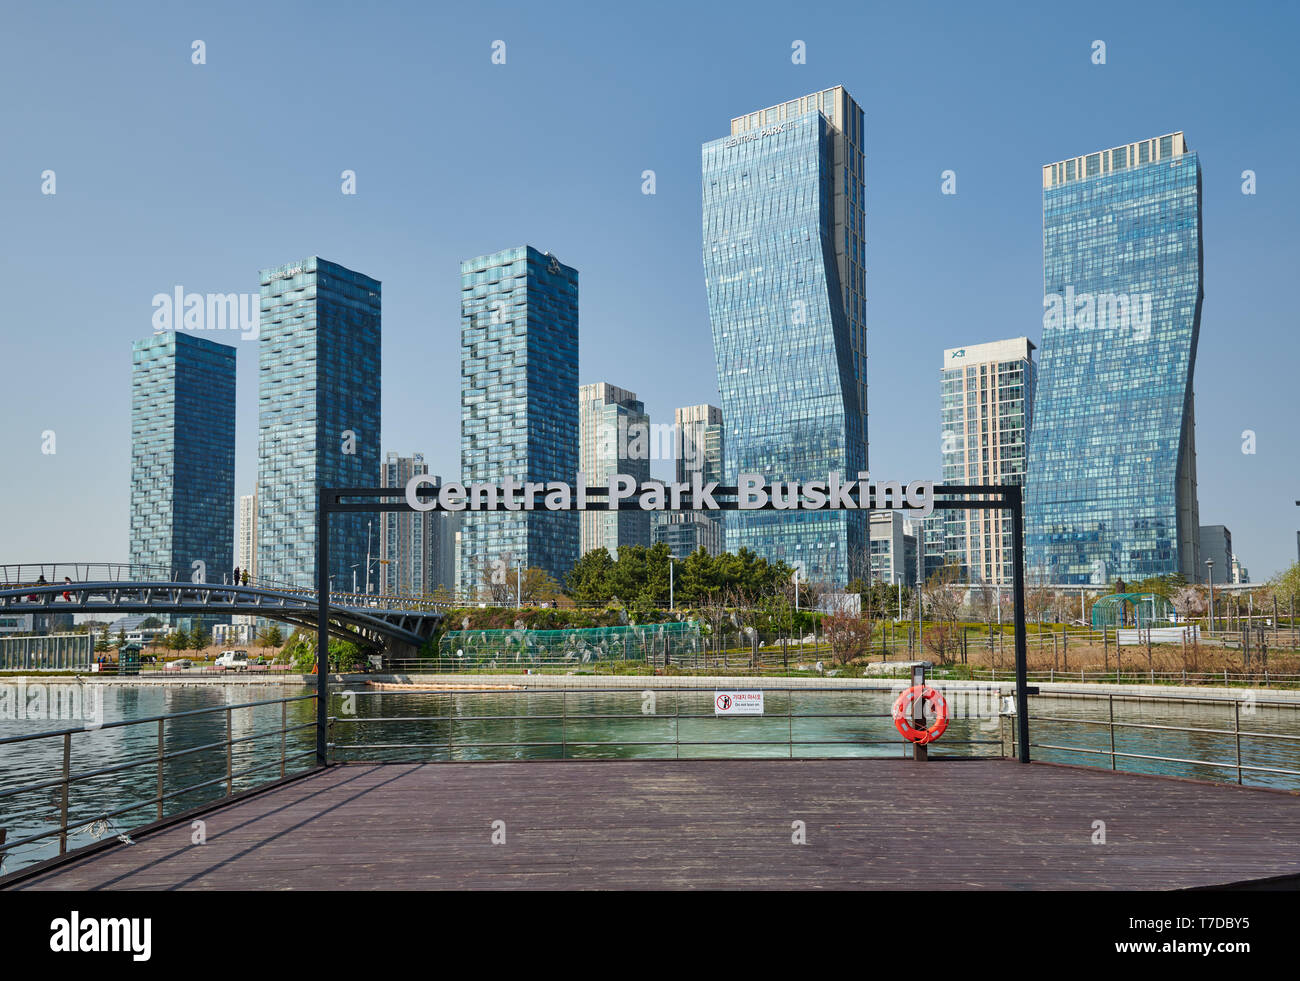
x,y
614,438
699,446
893,548
318,414
700,442
1112,454
519,408
409,542
246,540
987,393
183,457
784,224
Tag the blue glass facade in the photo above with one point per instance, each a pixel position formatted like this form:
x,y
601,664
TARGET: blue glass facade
x,y
1112,457
183,456
318,415
783,260
519,408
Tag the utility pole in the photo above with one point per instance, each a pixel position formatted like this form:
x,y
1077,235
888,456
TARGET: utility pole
x,y
519,586
670,583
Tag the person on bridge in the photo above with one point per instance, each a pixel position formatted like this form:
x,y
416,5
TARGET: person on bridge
x,y
245,582
40,582
235,581
67,598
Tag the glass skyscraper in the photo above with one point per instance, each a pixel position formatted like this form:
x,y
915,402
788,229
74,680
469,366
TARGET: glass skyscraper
x,y
614,438
987,393
518,409
318,415
783,260
183,457
1112,452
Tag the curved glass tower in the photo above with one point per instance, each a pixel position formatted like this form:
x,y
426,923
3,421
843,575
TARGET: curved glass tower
x,y
783,262
1112,452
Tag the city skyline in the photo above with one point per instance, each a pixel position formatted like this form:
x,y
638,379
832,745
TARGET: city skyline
x,y
1245,251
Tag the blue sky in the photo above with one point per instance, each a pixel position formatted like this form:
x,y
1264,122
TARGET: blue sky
x,y
170,173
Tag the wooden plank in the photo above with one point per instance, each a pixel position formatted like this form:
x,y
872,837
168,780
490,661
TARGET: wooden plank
x,y
878,824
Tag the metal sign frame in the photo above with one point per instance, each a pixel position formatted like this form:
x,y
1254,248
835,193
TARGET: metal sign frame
x,y
987,497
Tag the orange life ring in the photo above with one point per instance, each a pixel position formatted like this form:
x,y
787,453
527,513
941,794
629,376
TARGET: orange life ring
x,y
903,710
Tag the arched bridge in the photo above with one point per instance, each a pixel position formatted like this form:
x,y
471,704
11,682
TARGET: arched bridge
x,y
373,621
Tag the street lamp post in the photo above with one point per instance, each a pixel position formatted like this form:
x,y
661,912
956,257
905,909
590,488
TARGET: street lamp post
x,y
1209,564
368,525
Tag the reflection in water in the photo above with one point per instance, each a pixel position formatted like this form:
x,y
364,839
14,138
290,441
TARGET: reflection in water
x,y
95,749
627,725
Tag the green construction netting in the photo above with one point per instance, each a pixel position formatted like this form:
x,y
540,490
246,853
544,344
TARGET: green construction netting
x,y
572,646
1132,610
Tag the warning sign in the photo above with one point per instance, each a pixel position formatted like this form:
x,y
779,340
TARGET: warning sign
x,y
738,703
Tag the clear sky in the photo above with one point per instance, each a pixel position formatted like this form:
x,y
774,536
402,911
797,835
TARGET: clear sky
x,y
174,174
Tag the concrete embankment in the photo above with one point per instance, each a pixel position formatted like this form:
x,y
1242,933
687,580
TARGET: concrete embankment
x,y
544,682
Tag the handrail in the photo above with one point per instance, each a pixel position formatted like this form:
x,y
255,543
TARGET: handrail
x,y
1111,724
159,759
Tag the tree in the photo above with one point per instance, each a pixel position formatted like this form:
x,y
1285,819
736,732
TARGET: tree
x,y
178,640
1286,585
590,581
942,640
984,602
270,637
150,623
199,638
943,594
1189,602
121,638
497,581
848,635
537,586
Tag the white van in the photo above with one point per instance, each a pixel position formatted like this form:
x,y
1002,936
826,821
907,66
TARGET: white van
x,y
234,660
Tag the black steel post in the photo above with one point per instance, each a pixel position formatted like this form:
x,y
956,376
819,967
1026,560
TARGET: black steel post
x,y
322,626
1015,499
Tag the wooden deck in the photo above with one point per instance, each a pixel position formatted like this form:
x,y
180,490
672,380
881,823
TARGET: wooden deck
x,y
878,824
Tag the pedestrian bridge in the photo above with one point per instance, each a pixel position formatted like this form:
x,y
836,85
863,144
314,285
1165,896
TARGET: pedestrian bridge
x,y
387,622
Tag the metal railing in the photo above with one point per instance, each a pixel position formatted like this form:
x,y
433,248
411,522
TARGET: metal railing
x,y
1224,678
561,744
30,575
1230,738
66,780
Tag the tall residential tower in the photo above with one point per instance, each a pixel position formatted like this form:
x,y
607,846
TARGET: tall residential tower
x,y
614,438
1112,453
318,414
988,402
783,260
183,457
699,445
518,408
